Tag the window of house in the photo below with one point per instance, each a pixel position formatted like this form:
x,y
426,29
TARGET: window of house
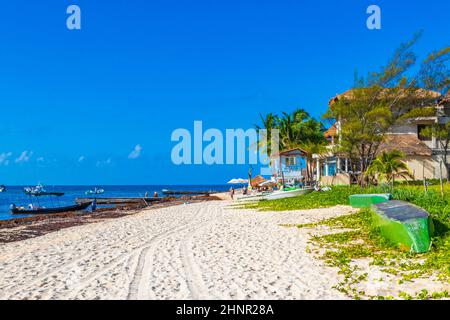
x,y
420,128
291,161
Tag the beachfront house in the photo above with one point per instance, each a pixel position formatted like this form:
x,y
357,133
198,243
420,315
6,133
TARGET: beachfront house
x,y
422,154
289,166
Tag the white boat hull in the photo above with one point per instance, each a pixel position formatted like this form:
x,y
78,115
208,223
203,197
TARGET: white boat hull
x,y
251,198
287,194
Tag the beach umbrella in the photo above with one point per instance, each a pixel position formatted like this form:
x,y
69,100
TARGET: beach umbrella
x,y
238,181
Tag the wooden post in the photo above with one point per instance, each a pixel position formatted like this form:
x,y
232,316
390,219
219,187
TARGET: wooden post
x,y
441,182
425,189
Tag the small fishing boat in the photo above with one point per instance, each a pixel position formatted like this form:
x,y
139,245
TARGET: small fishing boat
x,y
2,188
404,224
39,191
95,191
287,194
41,210
41,194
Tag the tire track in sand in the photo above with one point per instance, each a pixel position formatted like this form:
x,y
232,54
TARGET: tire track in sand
x,y
139,287
113,263
194,279
16,289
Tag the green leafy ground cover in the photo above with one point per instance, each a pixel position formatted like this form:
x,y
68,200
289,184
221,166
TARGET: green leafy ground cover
x,y
355,237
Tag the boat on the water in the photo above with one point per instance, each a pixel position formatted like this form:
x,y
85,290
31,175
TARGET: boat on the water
x,y
287,194
41,194
41,210
95,191
39,191
2,188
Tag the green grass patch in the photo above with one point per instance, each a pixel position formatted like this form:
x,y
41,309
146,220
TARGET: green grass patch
x,y
315,200
362,239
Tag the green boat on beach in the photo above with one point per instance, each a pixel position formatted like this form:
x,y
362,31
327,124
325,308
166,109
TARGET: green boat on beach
x,y
367,200
404,224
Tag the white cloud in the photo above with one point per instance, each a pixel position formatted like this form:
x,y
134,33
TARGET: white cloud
x,y
40,159
4,158
136,153
24,157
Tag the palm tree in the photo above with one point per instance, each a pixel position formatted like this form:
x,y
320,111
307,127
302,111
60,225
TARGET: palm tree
x,y
287,131
299,127
269,122
296,130
388,165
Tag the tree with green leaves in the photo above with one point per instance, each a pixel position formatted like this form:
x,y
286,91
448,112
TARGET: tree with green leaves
x,y
435,75
296,130
269,122
387,166
366,112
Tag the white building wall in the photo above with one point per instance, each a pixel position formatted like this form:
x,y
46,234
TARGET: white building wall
x,y
425,166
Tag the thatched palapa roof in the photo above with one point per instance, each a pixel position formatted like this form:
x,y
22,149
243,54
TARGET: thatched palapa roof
x,y
256,181
331,132
409,144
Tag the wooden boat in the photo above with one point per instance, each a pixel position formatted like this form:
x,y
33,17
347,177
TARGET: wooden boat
x,y
404,224
44,193
115,201
367,200
186,192
39,191
287,194
77,207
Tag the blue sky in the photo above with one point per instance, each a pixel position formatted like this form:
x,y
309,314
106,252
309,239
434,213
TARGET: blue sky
x,y
140,69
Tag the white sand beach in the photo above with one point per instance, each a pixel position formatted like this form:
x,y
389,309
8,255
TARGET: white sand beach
x,y
197,251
